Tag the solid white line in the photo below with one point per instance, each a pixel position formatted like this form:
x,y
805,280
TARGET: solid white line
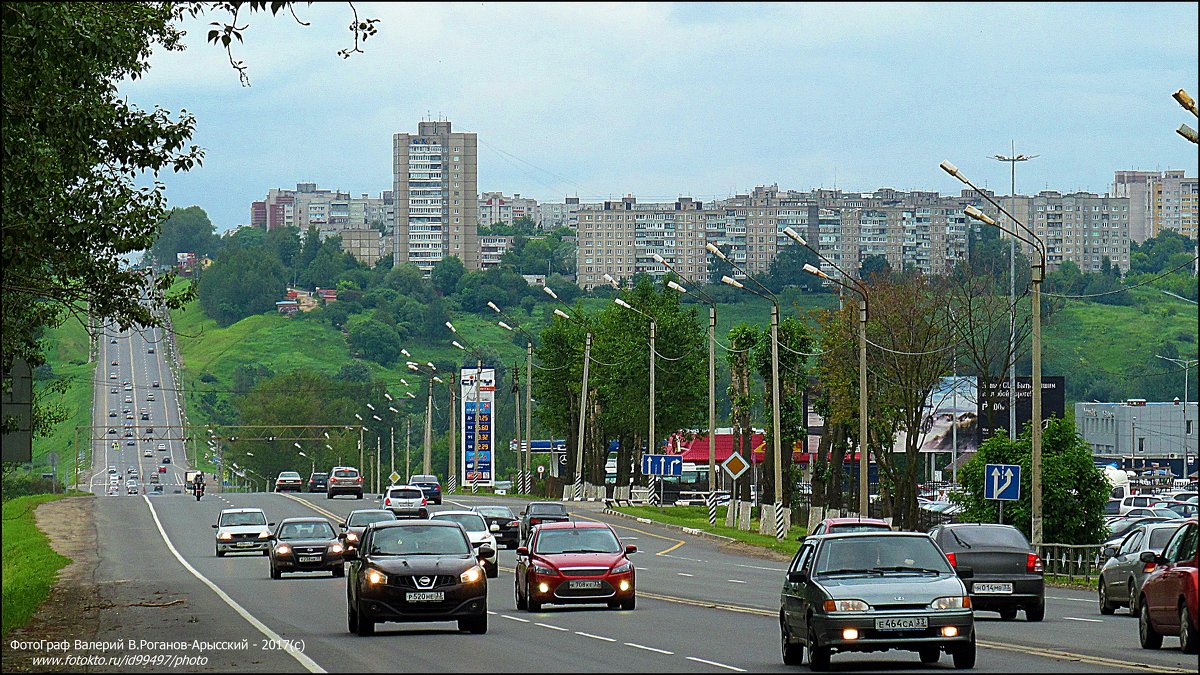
x,y
684,574
594,637
513,618
491,612
304,660
1072,618
735,581
714,663
650,649
546,625
1089,600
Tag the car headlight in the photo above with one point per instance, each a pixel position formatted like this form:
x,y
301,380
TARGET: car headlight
x,y
952,602
376,577
350,536
471,576
846,606
283,549
336,548
224,536
622,568
538,569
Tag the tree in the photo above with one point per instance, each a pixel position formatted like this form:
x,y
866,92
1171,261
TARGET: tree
x,y
241,283
787,269
375,341
184,231
875,265
1074,490
742,339
794,343
445,275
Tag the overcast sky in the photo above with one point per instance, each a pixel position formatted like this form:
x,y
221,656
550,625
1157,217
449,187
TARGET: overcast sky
x,y
661,100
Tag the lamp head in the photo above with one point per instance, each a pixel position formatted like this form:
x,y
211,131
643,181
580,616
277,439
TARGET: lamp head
x,y
493,306
550,292
658,258
795,237
405,352
676,287
451,327
730,281
812,269
979,215
712,248
611,281
950,169
559,312
504,325
622,303
387,396
456,344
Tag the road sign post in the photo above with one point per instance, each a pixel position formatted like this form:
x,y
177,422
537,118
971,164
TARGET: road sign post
x,y
1002,482
734,466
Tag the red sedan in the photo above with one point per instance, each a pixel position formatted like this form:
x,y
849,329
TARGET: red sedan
x,y
574,563
1169,594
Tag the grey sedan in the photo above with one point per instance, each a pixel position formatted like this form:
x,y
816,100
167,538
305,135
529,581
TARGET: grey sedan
x,y
875,591
1122,575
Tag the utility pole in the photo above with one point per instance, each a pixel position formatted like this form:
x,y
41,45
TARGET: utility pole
x,y
529,417
587,359
428,430
452,477
407,444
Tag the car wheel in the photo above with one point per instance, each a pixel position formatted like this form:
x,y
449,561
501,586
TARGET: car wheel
x,y
964,656
476,625
351,618
793,654
358,496
630,604
930,654
534,605
220,554
1147,636
328,495
1134,609
1036,612
366,624
1187,631
1105,606
818,656
275,574
339,571
521,604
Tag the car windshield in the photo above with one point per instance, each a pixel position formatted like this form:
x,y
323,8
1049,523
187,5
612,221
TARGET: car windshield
x,y
249,518
577,540
419,540
547,510
984,536
880,555
1159,538
471,522
313,530
495,511
405,494
346,473
365,518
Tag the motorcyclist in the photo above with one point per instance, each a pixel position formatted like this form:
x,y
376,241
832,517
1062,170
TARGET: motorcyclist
x,y
198,486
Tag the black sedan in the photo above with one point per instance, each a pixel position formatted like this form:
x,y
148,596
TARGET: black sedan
x,y
537,513
416,570
502,517
868,592
358,520
306,545
1007,571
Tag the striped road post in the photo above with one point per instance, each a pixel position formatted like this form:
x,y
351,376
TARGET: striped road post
x,y
452,484
579,487
475,482
781,527
712,508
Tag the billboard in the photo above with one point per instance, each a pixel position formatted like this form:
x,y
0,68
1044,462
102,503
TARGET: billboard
x,y
994,400
951,418
478,407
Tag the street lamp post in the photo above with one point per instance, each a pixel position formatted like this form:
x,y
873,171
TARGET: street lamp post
x,y
1188,104
587,359
781,526
651,441
524,460
1186,364
1038,273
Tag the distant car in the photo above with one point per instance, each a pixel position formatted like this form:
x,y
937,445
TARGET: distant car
x,y
1136,502
162,469
406,501
113,341
148,452
150,350
112,413
114,363
844,525
131,443
415,571
1182,509
479,533
536,513
873,591
430,485
1168,600
288,480
149,397
155,384
242,530
112,469
157,489
508,530
1112,507
344,480
131,488
162,446
1123,572
318,482
112,376
113,490
166,459
357,522
112,430
575,562
113,390
1007,572
306,545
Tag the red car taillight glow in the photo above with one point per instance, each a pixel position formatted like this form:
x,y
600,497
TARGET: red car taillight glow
x,y
424,502
535,521
387,502
953,561
359,480
515,523
1033,563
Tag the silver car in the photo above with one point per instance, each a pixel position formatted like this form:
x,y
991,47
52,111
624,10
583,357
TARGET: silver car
x,y
1122,575
242,530
406,501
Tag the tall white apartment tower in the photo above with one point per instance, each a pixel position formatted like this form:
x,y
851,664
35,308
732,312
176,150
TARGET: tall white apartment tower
x,y
435,180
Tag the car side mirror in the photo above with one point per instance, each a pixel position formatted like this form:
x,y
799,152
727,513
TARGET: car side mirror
x,y
797,577
630,549
342,525
214,527
1109,551
1149,557
495,527
486,551
350,553
522,551
964,572
270,524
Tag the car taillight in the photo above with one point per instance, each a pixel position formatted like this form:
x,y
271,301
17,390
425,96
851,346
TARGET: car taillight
x,y
387,502
359,480
424,502
535,521
1033,563
515,523
952,559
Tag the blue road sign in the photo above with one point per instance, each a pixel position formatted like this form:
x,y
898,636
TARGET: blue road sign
x,y
1002,482
662,465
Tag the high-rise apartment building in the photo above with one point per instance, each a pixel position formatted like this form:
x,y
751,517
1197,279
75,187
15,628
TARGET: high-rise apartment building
x,y
1082,227
495,208
620,238
435,182
552,215
1158,200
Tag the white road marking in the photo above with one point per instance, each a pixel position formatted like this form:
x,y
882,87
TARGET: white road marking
x,y
309,665
684,574
1088,600
1072,618
650,649
735,581
513,618
714,663
594,637
546,625
491,612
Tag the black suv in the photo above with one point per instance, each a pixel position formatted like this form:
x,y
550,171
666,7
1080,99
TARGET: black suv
x,y
318,482
416,570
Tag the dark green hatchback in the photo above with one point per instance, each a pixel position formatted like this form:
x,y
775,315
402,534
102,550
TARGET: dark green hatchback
x,y
875,591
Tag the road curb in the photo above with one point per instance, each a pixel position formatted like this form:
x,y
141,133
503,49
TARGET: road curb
x,y
680,528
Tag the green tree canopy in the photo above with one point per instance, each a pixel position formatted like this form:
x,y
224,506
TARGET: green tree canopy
x,y
242,282
376,341
186,230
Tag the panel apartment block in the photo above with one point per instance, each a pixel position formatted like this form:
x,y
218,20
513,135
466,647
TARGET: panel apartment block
x,y
435,183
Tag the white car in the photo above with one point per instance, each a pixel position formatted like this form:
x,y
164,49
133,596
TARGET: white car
x,y
240,530
162,446
478,532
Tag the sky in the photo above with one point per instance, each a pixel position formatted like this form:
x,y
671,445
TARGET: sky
x,y
599,100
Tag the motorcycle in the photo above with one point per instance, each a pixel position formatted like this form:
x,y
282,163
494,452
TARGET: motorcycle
x,y
199,490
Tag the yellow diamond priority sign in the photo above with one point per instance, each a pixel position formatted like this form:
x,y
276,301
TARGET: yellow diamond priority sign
x,y
394,477
735,466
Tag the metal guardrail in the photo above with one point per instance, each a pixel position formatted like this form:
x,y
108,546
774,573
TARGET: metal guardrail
x,y
1074,561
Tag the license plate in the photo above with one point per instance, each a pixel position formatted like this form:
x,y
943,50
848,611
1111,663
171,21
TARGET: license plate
x,y
993,589
433,596
902,623
586,584
245,544
310,558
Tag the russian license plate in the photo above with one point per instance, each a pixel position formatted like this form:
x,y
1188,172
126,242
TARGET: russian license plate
x,y
902,623
245,544
429,596
310,558
586,584
993,589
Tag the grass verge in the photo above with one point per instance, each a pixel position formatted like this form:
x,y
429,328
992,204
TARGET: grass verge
x,y
697,517
30,565
67,354
1060,581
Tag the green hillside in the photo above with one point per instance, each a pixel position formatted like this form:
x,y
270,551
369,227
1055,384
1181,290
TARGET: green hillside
x,y
67,362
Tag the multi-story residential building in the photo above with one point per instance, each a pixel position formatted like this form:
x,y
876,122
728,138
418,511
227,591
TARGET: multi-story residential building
x,y
435,183
492,249
620,238
364,244
495,208
552,215
330,210
1082,227
1158,200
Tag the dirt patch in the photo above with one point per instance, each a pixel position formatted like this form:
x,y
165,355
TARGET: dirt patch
x,y
750,550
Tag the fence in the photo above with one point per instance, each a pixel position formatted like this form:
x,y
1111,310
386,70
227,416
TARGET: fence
x,y
1074,561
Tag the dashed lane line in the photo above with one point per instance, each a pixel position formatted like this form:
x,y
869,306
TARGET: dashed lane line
x,y
514,618
1074,618
594,637
656,650
546,625
719,665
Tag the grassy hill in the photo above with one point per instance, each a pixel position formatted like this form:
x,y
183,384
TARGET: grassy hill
x,y
67,357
